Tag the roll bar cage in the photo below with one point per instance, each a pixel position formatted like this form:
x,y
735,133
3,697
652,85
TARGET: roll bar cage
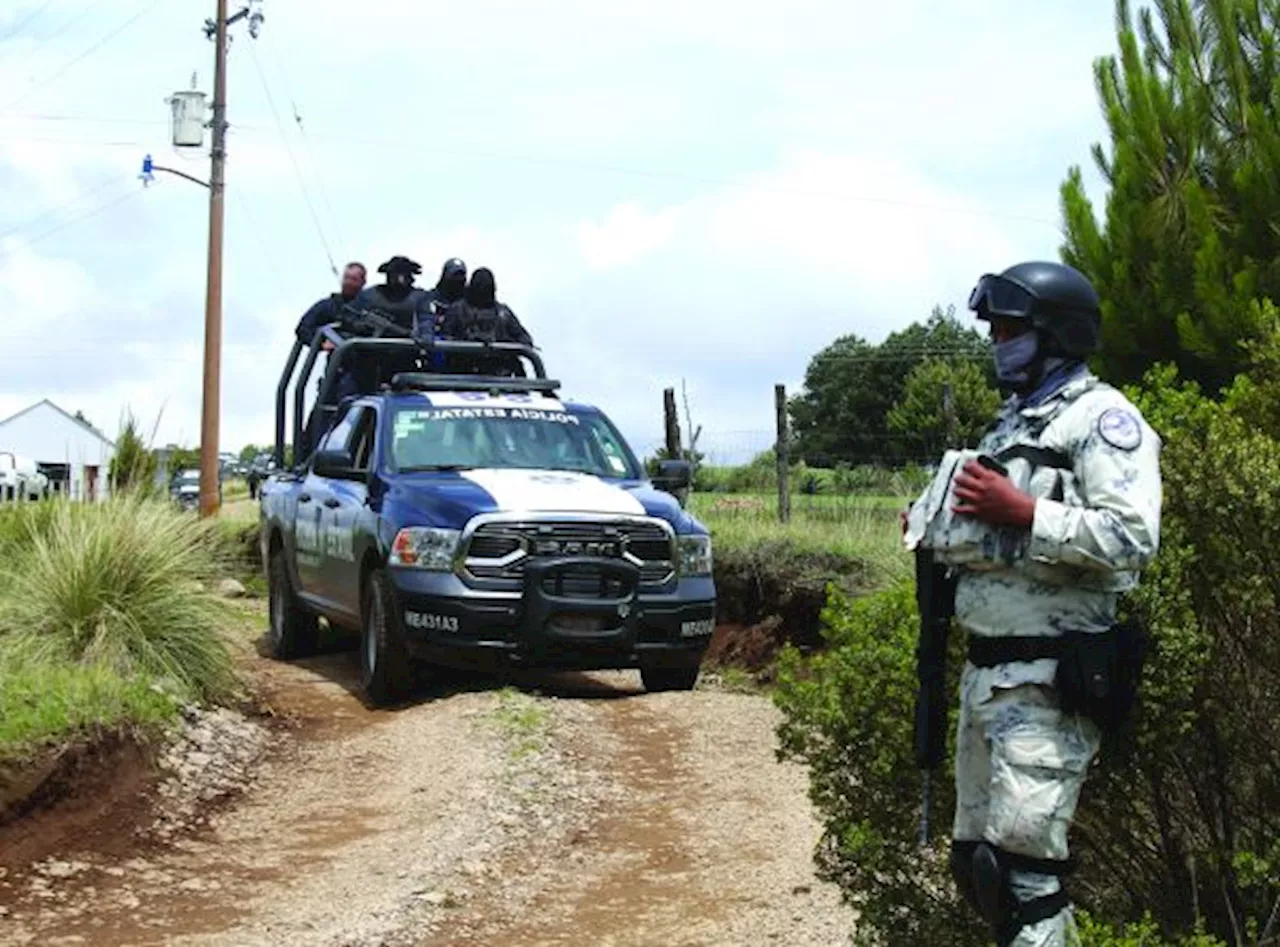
x,y
345,349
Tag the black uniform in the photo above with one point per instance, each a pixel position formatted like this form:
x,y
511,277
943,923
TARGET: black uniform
x,y
479,317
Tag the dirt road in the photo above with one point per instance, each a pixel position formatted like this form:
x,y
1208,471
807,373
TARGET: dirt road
x,y
560,810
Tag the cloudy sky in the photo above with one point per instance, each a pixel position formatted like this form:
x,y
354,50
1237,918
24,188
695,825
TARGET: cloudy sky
x,y
668,190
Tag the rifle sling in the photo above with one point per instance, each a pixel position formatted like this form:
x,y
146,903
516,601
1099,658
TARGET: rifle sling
x,y
1036,456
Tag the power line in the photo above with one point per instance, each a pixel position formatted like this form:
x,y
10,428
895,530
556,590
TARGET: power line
x,y
302,185
88,119
95,142
49,80
83,217
25,21
53,210
73,21
306,142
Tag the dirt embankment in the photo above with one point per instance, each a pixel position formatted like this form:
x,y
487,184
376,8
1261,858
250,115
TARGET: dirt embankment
x,y
772,595
574,809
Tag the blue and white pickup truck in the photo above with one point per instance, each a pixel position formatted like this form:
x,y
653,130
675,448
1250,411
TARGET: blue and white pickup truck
x,y
478,527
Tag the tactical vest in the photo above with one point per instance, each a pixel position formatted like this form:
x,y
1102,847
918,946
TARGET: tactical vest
x,y
965,541
479,325
402,311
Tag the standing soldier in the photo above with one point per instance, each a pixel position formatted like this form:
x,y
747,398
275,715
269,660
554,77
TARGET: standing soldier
x,y
1043,527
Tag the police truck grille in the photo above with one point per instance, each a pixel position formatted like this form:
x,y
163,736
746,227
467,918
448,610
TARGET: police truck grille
x,y
583,582
497,551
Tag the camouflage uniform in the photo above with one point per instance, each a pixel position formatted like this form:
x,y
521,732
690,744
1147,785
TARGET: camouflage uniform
x,y
1021,762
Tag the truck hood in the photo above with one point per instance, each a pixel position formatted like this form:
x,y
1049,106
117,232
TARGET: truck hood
x,y
449,499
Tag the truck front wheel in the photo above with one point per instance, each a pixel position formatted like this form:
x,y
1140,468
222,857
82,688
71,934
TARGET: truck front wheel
x,y
294,630
385,668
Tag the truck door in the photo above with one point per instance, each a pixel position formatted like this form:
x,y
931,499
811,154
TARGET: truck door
x,y
347,517
307,549
314,503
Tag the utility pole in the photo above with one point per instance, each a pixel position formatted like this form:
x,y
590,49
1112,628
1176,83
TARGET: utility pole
x,y
209,410
216,30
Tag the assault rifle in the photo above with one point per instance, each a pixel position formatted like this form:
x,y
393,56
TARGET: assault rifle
x,y
935,598
368,324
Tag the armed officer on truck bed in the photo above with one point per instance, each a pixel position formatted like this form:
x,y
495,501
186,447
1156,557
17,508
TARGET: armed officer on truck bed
x,y
1041,529
404,304
328,310
479,317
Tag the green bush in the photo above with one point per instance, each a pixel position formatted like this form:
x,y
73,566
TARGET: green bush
x,y
1143,933
124,585
1181,818
847,714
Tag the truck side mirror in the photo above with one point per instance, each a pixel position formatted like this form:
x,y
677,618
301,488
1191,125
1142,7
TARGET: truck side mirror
x,y
333,463
674,476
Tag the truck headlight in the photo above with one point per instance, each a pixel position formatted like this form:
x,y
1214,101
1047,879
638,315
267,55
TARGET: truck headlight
x,y
695,555
421,547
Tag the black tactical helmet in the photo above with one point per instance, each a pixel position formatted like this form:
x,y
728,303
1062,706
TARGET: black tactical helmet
x,y
1060,302
453,267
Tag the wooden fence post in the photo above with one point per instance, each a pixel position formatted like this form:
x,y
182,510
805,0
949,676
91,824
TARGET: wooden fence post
x,y
671,422
784,493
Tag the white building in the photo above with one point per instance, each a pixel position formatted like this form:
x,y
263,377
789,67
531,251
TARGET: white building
x,y
74,455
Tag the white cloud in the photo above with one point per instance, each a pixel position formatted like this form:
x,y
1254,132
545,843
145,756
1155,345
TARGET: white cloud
x,y
626,234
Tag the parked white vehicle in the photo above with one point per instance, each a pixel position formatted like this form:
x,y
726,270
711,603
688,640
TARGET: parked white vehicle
x,y
20,479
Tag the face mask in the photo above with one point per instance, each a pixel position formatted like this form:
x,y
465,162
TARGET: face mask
x,y
1013,356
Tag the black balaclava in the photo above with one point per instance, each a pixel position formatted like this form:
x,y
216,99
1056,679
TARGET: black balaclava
x,y
453,280
482,291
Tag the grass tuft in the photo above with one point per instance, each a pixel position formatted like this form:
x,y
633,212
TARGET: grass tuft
x,y
523,722
125,586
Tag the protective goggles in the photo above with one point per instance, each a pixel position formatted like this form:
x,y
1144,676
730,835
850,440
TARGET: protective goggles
x,y
998,296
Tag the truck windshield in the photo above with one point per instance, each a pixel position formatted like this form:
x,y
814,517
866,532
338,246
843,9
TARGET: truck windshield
x,y
522,438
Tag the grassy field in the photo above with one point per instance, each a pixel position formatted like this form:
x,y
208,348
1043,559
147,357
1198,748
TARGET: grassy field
x,y
858,527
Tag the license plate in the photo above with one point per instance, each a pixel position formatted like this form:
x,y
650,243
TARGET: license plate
x,y
581,623
697,629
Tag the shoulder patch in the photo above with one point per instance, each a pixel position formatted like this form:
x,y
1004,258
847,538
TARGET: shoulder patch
x,y
1119,428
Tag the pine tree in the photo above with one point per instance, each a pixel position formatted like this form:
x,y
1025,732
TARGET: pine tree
x,y
1189,245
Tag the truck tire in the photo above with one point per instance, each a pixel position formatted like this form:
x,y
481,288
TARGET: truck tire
x,y
669,679
294,630
385,667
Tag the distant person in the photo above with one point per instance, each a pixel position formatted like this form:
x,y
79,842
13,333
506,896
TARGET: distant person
x,y
254,478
